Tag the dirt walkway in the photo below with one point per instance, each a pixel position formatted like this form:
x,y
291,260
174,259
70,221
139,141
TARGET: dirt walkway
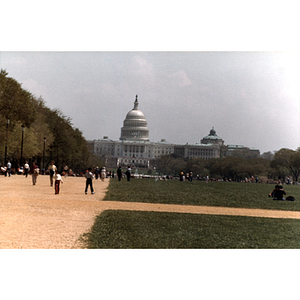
x,y
33,217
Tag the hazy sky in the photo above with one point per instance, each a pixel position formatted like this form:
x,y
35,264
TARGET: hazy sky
x,y
251,98
220,65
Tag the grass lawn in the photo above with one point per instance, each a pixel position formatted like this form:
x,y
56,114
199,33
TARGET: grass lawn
x,y
157,230
228,194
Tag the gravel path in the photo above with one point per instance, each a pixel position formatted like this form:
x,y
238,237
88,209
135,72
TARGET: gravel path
x,y
33,217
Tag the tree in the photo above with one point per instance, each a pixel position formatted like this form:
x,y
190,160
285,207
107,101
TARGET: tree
x,y
15,102
267,155
226,167
64,143
165,164
289,159
198,166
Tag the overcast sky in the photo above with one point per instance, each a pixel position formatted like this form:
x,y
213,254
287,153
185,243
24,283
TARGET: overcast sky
x,y
224,64
251,98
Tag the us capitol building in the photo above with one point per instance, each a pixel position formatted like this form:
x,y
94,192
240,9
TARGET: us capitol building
x,y
134,147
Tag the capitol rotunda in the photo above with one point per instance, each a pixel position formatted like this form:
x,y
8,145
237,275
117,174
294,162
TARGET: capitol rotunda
x,y
135,125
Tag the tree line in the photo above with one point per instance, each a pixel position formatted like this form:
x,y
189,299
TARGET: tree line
x,y
283,163
30,131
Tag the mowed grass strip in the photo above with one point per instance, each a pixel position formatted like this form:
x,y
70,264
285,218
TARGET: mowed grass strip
x,y
227,194
156,230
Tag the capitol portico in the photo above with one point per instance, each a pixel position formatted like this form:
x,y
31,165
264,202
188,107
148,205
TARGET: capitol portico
x,y
134,146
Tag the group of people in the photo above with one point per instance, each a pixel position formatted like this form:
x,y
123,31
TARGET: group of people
x,y
188,176
100,172
6,169
55,176
127,173
279,192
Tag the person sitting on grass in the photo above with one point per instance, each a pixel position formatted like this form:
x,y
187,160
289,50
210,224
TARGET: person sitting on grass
x,y
277,193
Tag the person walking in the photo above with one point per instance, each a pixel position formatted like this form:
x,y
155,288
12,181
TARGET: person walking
x,y
58,180
190,176
128,173
119,173
8,168
34,171
181,175
66,170
52,168
97,172
26,169
207,179
89,180
103,173
3,169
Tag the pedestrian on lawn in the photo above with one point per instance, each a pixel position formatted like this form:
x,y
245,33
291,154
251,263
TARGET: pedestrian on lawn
x,y
128,173
66,170
52,168
26,169
89,180
97,172
103,173
8,168
181,176
3,169
190,176
119,173
58,180
34,171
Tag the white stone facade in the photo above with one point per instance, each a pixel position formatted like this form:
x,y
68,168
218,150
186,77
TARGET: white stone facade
x,y
134,147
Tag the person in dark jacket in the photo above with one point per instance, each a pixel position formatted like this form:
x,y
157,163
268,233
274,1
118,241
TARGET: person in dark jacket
x,y
128,173
89,180
278,193
119,173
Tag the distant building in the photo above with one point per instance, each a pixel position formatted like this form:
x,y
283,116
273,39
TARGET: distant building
x,y
134,147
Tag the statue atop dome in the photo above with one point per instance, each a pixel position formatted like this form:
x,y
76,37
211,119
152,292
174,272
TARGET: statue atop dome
x,y
136,103
213,132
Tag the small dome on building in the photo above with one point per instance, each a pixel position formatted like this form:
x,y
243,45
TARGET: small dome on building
x,y
212,132
212,138
135,125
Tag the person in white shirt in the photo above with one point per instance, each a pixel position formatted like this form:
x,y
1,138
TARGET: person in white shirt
x,y
89,180
52,169
103,173
26,169
58,180
9,168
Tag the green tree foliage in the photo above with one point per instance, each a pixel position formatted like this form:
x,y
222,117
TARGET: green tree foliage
x,y
288,159
64,143
15,102
231,167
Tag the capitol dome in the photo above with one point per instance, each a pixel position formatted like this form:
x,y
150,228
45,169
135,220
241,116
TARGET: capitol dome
x,y
135,125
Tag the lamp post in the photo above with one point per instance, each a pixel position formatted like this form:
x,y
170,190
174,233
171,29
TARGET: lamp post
x,y
7,123
23,129
44,154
